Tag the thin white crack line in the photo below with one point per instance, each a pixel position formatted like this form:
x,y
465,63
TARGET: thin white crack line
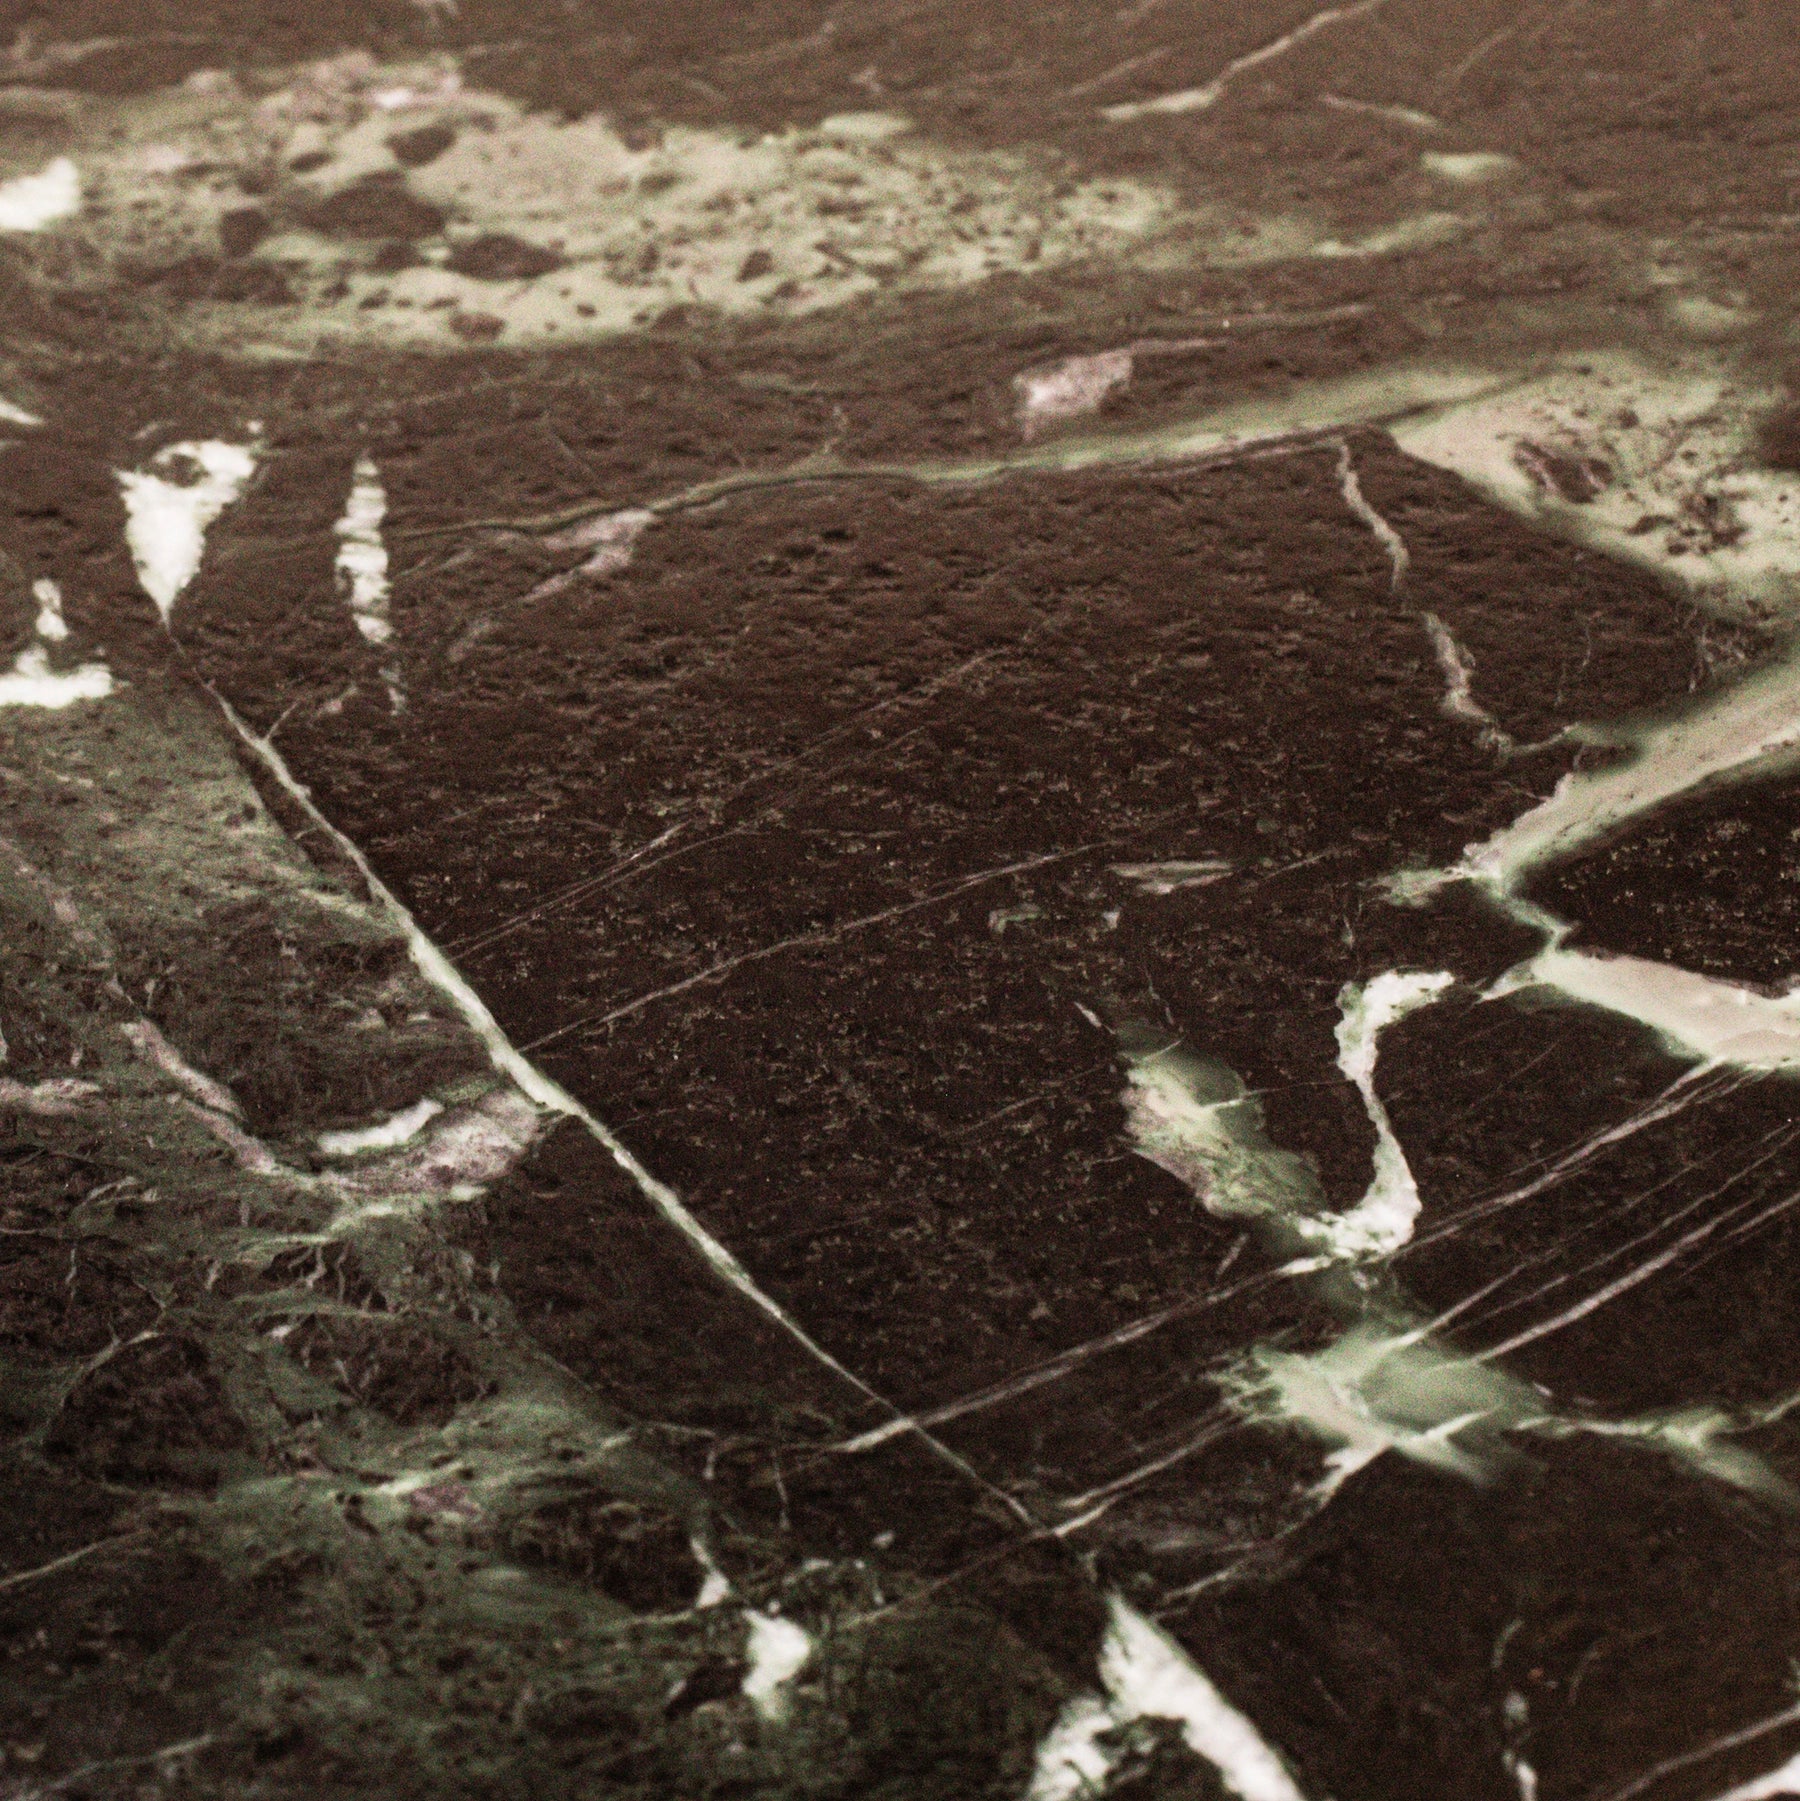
x,y
1728,1741
633,863
1097,1500
1665,1106
1784,1133
1187,100
1398,556
1146,450
829,935
1632,1278
1053,1369
443,975
59,1784
1459,700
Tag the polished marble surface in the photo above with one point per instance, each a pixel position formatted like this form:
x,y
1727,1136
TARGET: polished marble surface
x,y
898,901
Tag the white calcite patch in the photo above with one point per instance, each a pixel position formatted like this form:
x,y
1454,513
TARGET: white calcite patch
x,y
1383,1219
463,1148
170,505
1703,1017
1376,1390
30,202
1076,1757
16,415
399,1128
1148,1676
31,682
1468,167
362,558
777,1651
1654,463
1066,390
609,538
51,626
1193,1117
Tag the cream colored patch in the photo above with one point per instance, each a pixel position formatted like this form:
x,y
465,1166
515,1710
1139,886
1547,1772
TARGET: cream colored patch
x,y
31,682
1423,231
553,228
1651,462
1697,1016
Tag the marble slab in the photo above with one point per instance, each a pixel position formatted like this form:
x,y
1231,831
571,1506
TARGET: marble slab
x,y
899,903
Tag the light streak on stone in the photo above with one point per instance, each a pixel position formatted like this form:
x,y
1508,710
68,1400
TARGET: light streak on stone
x,y
362,558
1193,100
1390,540
30,202
399,1129
169,507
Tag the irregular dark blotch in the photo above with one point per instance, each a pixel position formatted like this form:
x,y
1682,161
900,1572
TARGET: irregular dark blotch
x,y
477,328
638,1555
712,1679
402,1371
758,262
581,1712
1576,479
207,278
242,229
393,257
425,145
1778,440
378,206
499,256
153,1413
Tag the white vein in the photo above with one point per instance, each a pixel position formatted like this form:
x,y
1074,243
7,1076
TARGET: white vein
x,y
1191,100
1383,1219
610,537
398,1128
1459,700
16,415
1399,558
438,970
154,1048
1728,1741
1167,877
362,558
169,507
1398,115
